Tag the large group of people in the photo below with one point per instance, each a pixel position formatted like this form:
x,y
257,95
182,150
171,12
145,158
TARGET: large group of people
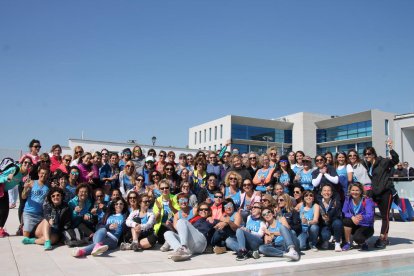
x,y
269,204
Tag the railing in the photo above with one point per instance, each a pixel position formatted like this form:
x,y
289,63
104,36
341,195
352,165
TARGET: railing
x,y
405,187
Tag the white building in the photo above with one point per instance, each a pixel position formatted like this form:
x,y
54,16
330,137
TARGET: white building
x,y
404,137
312,133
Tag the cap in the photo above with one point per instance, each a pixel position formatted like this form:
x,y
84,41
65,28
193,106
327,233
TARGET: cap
x,y
149,159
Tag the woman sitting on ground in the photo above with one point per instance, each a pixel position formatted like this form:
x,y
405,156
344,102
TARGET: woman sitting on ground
x,y
309,214
248,239
141,221
279,241
191,238
106,237
56,215
358,218
186,212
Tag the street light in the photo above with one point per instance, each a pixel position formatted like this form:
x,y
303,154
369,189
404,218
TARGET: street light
x,y
154,139
267,139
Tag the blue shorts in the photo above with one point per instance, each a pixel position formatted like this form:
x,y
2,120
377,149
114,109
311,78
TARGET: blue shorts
x,y
30,220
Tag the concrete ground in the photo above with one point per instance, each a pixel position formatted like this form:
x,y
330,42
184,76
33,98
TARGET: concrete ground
x,y
19,259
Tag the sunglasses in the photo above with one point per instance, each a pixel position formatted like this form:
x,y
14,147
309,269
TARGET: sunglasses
x,y
140,179
309,196
155,175
252,158
164,188
37,147
281,200
256,207
169,169
368,154
183,200
319,160
119,204
145,201
56,195
228,206
74,173
273,154
266,213
203,210
67,160
232,178
132,197
296,192
27,162
78,152
216,196
161,155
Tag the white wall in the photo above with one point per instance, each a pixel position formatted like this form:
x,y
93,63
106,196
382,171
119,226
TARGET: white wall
x,y
225,121
404,138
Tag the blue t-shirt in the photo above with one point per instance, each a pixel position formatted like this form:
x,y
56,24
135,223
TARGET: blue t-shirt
x,y
70,192
168,214
306,180
308,215
284,177
277,239
343,178
253,224
119,220
35,199
128,185
190,214
236,197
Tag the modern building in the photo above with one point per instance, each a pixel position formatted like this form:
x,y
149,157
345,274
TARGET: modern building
x,y
404,137
312,133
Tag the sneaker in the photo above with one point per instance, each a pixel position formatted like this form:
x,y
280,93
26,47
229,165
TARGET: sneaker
x,y
135,246
3,233
219,249
346,247
27,240
181,254
47,245
19,231
338,247
364,246
314,248
325,245
292,254
125,246
165,247
99,249
255,254
78,252
242,255
381,244
12,205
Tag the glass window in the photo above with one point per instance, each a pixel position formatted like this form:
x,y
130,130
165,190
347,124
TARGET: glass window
x,y
241,148
209,134
195,137
205,136
215,133
199,136
245,132
344,132
387,128
221,131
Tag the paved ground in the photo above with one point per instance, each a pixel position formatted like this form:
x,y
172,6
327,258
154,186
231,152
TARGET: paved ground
x,y
19,259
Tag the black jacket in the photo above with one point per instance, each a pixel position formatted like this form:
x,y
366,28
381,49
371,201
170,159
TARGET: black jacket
x,y
334,211
380,173
61,215
293,218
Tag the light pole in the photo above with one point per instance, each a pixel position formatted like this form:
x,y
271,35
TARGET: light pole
x,y
267,139
154,139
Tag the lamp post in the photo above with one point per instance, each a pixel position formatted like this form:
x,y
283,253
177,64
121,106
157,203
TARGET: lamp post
x,y
154,139
267,139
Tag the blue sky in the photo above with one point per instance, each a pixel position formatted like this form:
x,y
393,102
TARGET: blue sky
x,y
121,70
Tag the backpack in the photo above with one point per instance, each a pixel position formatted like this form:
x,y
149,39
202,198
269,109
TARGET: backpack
x,y
7,164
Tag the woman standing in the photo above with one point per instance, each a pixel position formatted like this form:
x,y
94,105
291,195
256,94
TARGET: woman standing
x,y
379,170
247,198
127,178
287,176
86,173
232,188
138,158
325,174
344,171
55,158
360,173
263,176
304,175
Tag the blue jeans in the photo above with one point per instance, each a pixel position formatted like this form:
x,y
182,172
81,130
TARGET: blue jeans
x,y
310,236
102,237
278,249
220,236
336,228
244,241
186,235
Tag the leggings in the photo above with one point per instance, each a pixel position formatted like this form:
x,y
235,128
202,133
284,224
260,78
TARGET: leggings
x,y
4,209
21,204
360,234
384,202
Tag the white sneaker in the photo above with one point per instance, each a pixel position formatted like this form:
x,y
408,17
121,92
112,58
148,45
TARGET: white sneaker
x,y
338,247
125,246
325,245
165,247
314,248
292,254
255,254
135,246
182,254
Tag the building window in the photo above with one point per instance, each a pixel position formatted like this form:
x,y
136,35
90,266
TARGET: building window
x,y
344,132
221,146
244,132
387,127
215,133
221,131
209,134
199,136
205,136
215,147
209,147
195,137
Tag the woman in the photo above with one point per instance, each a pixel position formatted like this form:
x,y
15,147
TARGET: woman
x,y
207,194
248,239
186,190
185,176
199,174
56,218
247,198
64,167
140,221
325,174
360,173
304,175
86,172
344,171
139,185
330,221
254,164
155,179
77,153
138,158
232,186
309,214
298,159
34,149
358,218
383,190
278,240
35,192
278,190
80,207
107,237
272,153
186,211
263,176
105,156
292,159
237,166
70,189
9,180
44,161
172,177
127,178
182,163
97,164
329,158
287,210
297,195
159,165
230,221
287,176
164,209
191,238
99,207
55,157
